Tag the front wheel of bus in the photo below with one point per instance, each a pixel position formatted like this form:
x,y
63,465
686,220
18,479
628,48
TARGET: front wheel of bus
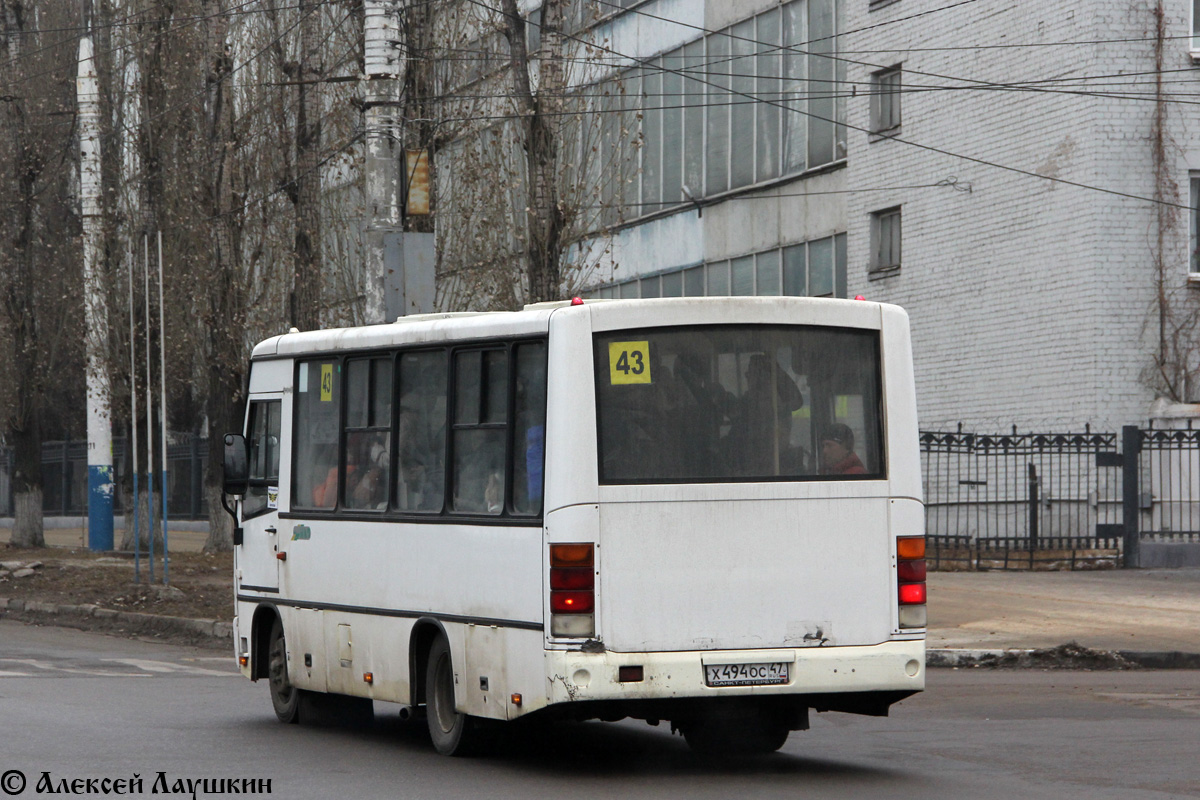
x,y
453,733
284,696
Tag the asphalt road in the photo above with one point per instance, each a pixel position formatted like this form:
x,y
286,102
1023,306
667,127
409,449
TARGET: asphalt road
x,y
82,705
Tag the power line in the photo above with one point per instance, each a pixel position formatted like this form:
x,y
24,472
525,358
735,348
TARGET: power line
x,y
645,62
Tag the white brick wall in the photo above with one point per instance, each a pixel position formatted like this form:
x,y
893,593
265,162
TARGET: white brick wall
x,y
1029,299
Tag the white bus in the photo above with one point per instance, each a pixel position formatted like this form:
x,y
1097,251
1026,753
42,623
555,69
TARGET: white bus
x,y
705,511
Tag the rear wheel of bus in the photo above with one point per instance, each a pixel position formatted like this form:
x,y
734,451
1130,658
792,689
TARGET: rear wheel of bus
x,y
733,738
453,733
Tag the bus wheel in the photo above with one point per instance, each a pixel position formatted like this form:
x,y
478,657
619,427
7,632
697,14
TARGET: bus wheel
x,y
284,696
734,739
453,734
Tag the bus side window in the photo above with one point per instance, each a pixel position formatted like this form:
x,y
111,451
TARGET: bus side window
x,y
314,451
421,431
529,428
368,439
480,423
263,443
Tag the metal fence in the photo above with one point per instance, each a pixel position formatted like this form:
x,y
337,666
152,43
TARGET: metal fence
x,y
1023,500
65,482
1018,500
1169,481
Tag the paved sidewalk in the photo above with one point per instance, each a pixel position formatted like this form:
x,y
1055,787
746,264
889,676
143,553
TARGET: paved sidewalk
x,y
1132,611
178,540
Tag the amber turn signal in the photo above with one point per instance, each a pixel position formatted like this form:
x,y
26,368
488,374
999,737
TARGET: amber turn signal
x,y
910,547
571,555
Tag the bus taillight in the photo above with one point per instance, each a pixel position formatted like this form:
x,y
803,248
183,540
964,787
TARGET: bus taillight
x,y
573,590
910,576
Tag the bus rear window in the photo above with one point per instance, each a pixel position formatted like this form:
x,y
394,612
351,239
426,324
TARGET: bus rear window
x,y
738,403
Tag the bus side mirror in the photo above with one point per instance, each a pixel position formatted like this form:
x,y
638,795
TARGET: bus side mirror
x,y
237,465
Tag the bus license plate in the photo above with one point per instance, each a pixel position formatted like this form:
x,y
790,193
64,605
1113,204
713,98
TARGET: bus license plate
x,y
746,674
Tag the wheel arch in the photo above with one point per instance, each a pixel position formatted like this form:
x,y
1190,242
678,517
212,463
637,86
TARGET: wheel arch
x,y
260,638
425,631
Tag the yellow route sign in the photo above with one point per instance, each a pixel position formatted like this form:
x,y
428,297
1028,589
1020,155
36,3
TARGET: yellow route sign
x,y
629,362
326,383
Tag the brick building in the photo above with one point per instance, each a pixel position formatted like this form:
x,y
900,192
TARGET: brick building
x,y
945,156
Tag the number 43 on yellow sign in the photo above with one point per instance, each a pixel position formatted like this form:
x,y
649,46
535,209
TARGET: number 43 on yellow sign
x,y
629,362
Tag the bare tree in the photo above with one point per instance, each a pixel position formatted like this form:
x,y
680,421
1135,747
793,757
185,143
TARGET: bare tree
x,y
536,139
40,261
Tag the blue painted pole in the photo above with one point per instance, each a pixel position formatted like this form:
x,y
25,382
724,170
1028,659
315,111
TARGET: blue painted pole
x,y
137,543
100,507
166,556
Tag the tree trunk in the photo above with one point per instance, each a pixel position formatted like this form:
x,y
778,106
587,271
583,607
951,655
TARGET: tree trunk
x,y
220,524
28,526
541,120
144,522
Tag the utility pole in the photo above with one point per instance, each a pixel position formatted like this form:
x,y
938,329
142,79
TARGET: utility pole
x,y
381,128
399,261
99,425
307,277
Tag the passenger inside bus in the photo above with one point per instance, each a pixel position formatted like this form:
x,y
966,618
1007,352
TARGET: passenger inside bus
x,y
837,452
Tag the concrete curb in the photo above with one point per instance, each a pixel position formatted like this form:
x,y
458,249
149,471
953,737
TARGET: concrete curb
x,y
134,621
1069,656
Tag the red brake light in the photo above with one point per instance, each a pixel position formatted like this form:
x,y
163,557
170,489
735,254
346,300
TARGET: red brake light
x,y
911,571
572,602
912,594
572,578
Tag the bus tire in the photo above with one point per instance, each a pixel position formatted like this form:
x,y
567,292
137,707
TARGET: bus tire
x,y
453,733
285,698
735,739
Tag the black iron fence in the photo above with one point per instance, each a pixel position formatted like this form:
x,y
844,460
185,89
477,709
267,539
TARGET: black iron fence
x,y
1053,500
65,480
1005,501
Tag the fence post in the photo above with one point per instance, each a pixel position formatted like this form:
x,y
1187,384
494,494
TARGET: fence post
x,y
1131,448
1033,512
197,478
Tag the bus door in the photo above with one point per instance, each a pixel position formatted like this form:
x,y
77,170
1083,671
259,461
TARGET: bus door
x,y
257,566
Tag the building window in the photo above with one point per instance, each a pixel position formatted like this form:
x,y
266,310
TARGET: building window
x,y
885,101
738,107
810,269
1195,46
885,241
1194,239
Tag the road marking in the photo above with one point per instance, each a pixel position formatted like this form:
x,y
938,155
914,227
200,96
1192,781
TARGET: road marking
x,y
46,666
163,667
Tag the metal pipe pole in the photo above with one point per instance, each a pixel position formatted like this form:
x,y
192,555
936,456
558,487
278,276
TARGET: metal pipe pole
x,y
133,428
162,406
149,408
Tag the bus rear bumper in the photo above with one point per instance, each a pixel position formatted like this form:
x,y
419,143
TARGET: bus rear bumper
x,y
887,668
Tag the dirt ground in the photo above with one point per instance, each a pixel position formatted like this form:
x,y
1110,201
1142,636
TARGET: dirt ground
x,y
201,585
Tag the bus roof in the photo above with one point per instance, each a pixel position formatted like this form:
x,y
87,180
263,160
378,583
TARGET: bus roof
x,y
535,319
